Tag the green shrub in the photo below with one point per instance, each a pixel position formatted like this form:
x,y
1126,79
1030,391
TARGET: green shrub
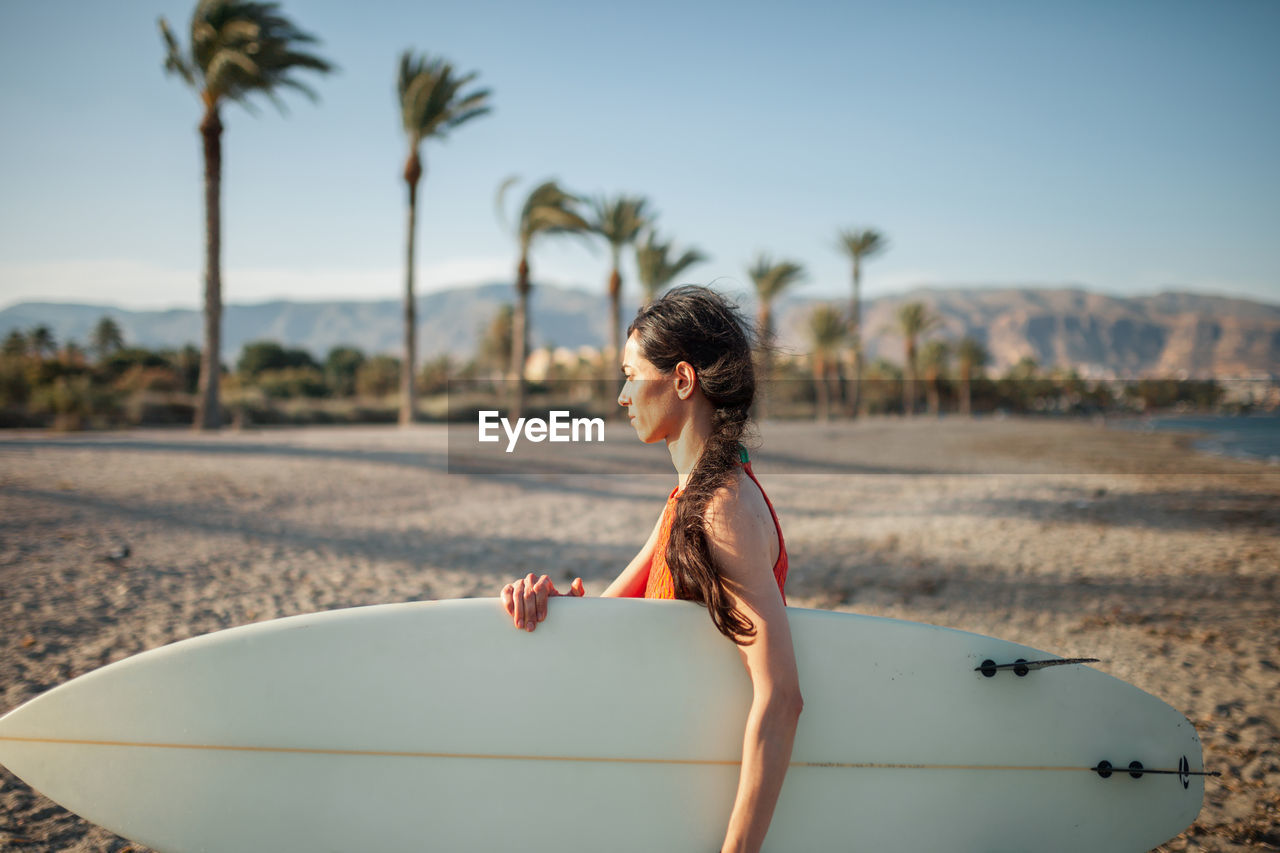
x,y
74,401
155,378
378,377
262,356
340,368
290,382
15,385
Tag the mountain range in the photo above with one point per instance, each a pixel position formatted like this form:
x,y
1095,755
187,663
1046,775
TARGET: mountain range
x,y
1169,334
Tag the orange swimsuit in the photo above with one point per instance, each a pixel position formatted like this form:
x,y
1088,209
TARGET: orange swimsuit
x,y
660,584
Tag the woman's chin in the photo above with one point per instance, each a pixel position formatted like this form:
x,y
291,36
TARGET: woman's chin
x,y
647,438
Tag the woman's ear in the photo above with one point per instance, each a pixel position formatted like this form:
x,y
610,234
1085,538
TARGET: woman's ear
x,y
686,380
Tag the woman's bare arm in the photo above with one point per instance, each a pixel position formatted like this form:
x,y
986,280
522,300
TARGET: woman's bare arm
x,y
742,545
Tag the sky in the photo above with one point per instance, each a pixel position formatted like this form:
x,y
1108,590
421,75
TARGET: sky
x,y
1125,147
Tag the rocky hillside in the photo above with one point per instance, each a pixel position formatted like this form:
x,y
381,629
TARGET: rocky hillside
x,y
1170,334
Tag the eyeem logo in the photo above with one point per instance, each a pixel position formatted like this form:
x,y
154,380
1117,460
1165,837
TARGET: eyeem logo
x,y
559,428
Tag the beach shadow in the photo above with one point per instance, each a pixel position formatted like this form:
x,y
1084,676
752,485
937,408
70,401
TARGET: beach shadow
x,y
567,475
1192,509
880,578
433,549
424,459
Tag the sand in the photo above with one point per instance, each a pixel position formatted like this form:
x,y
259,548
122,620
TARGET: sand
x,y
1071,537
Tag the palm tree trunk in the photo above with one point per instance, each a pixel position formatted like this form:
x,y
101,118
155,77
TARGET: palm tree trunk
x,y
615,339
412,174
934,394
966,392
909,387
855,333
821,388
208,409
765,324
519,339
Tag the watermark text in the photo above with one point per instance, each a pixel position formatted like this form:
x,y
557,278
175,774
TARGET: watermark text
x,y
559,427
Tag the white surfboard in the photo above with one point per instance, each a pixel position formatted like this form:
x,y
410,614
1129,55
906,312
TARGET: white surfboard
x,y
617,726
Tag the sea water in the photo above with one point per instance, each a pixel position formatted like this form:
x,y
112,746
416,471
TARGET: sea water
x,y
1255,437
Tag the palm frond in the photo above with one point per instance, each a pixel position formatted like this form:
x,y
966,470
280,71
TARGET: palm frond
x,y
297,86
654,266
972,353
935,355
230,73
914,318
773,278
470,114
651,262
688,259
620,219
500,199
827,328
862,243
551,220
550,209
431,98
174,62
240,48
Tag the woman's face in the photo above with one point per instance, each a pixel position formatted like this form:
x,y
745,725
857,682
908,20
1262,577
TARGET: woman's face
x,y
650,396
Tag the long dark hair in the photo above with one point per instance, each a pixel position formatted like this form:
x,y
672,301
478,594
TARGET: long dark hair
x,y
699,326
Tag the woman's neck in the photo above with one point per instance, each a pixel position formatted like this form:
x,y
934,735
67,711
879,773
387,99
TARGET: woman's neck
x,y
686,446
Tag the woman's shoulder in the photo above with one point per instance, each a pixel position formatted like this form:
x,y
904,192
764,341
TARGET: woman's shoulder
x,y
743,539
738,508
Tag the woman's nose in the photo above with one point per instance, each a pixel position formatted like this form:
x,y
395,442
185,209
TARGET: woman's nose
x,y
624,399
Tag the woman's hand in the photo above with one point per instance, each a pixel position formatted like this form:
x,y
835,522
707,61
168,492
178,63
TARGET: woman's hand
x,y
525,599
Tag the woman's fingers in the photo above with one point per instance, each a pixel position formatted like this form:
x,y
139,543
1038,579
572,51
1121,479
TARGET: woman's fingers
x,y
517,603
517,594
525,599
544,589
530,603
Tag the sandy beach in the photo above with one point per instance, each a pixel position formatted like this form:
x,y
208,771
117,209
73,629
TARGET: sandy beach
x,y
1072,537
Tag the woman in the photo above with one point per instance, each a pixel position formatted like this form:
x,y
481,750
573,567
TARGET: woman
x,y
690,383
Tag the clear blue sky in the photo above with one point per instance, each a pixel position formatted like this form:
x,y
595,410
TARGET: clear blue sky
x,y
1128,147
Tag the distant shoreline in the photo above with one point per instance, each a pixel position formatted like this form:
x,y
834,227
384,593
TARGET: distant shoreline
x,y
1248,437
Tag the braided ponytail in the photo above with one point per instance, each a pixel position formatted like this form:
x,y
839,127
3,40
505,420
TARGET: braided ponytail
x,y
698,326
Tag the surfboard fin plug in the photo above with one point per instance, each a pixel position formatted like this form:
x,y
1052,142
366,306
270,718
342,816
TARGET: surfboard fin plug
x,y
1021,667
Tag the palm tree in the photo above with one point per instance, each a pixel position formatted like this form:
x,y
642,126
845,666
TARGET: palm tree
x,y
656,268
859,244
495,340
914,320
431,104
15,344
619,220
827,331
934,359
972,355
106,338
772,279
41,342
1023,382
71,354
237,48
884,381
546,210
